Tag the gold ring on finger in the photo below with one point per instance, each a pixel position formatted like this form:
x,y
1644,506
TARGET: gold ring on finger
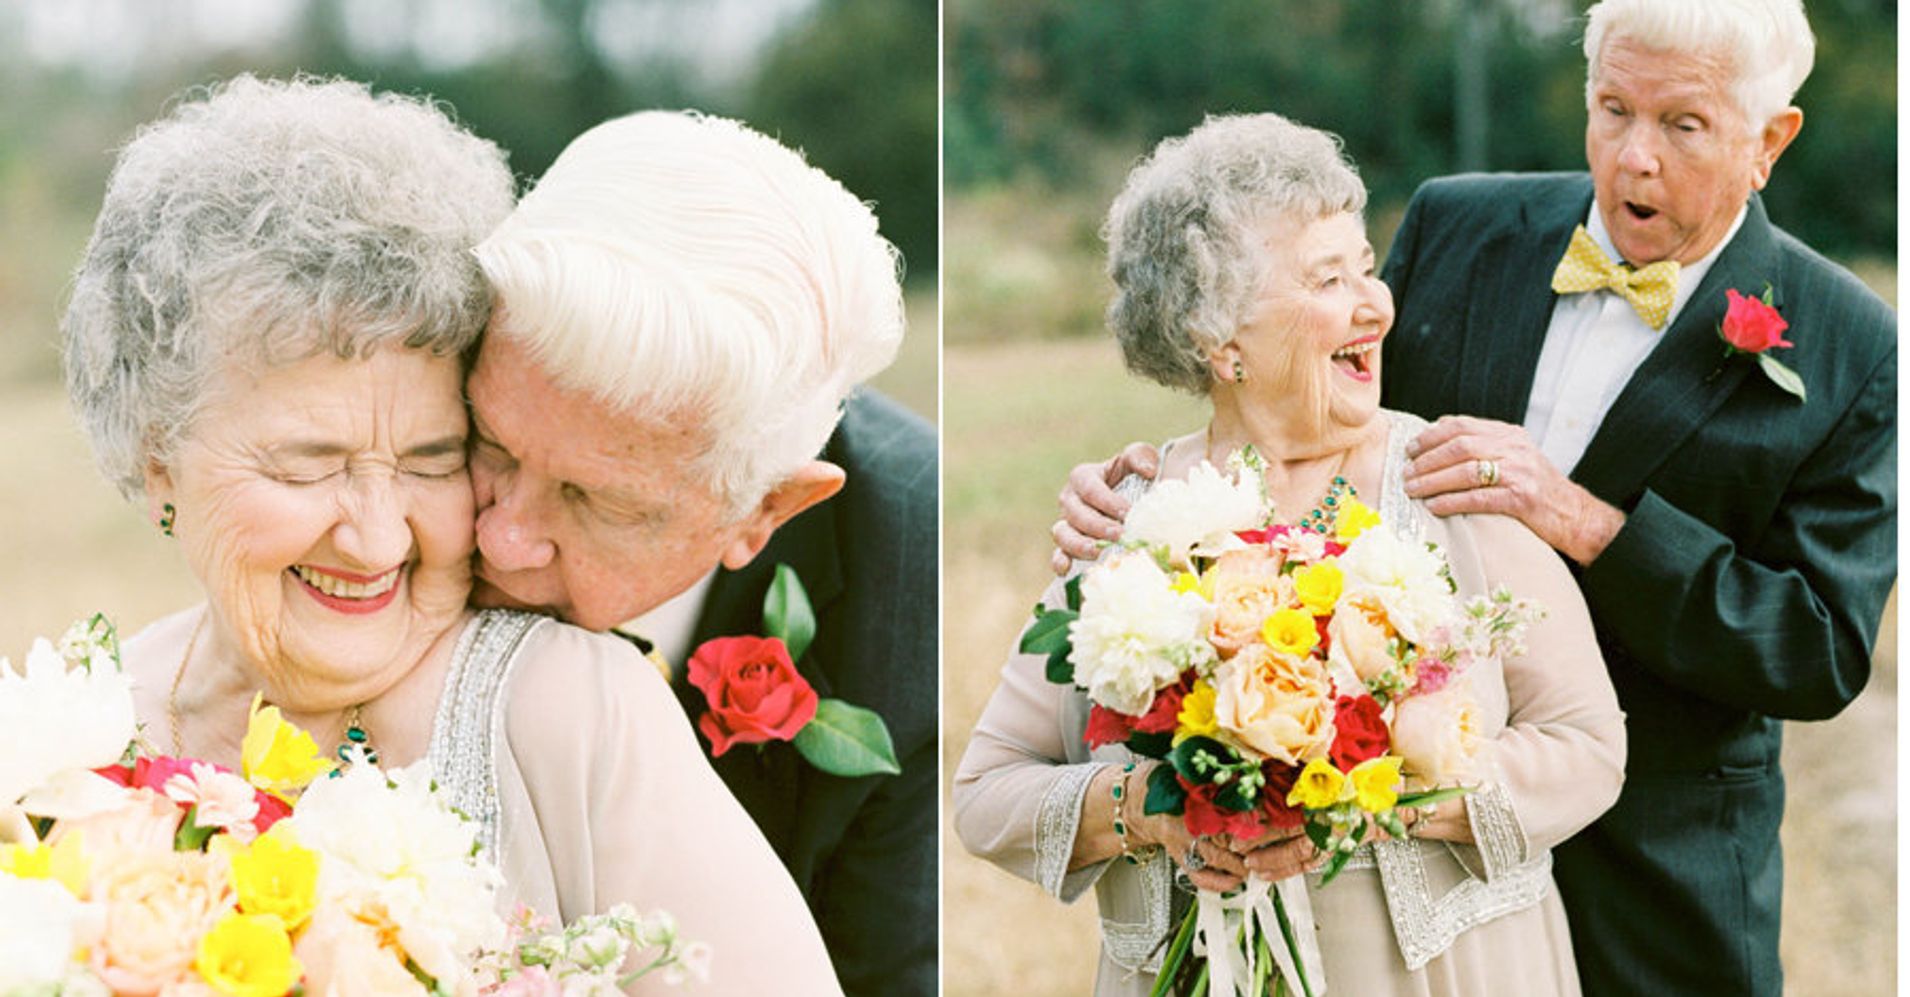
x,y
1486,472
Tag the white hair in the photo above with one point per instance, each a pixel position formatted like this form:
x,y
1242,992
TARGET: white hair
x,y
272,220
1766,43
685,268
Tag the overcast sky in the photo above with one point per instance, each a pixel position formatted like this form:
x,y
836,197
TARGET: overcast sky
x,y
719,37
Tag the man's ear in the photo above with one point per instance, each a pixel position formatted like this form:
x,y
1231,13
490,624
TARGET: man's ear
x,y
159,491
809,484
1777,136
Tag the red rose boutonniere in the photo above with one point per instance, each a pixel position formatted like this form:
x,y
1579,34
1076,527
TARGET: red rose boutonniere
x,y
1753,327
755,694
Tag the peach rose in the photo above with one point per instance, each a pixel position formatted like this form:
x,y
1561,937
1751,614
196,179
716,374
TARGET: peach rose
x,y
144,824
1359,633
157,907
1247,588
1439,735
1279,706
343,958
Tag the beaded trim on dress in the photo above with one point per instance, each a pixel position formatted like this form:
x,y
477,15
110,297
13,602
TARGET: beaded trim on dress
x,y
470,718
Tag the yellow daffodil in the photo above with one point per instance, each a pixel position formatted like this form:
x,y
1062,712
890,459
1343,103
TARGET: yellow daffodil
x,y
1355,517
1319,785
1196,717
1200,585
62,862
1290,631
1376,783
276,876
248,955
1318,585
277,756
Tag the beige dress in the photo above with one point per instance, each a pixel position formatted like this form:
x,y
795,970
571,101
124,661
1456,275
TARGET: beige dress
x,y
1405,918
589,788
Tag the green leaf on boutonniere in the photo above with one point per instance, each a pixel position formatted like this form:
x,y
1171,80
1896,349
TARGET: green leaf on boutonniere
x,y
1780,375
787,613
847,740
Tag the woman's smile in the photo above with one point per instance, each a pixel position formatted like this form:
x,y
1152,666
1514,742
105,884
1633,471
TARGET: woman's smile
x,y
346,591
1355,358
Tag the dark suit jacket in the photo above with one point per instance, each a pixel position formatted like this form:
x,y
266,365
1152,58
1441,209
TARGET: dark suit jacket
x,y
862,850
1746,585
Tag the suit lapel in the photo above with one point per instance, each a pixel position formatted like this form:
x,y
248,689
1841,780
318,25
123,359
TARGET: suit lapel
x,y
768,782
1512,307
1686,376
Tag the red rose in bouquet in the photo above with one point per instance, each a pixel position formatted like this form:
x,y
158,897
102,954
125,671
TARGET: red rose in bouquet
x,y
754,691
1359,730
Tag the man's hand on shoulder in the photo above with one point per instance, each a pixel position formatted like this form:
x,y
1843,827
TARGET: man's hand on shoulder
x,y
1465,465
1091,513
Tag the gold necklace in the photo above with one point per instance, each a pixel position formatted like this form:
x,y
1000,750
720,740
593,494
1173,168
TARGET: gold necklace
x,y
355,732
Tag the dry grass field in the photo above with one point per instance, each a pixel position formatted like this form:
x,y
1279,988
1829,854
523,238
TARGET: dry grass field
x,y
1019,414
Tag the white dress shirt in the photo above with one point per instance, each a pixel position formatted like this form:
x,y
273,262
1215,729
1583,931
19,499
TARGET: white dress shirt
x,y
1593,345
670,626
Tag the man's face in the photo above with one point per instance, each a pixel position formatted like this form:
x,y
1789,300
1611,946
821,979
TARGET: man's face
x,y
1671,155
583,512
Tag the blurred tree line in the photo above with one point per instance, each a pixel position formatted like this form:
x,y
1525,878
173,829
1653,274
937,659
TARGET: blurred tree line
x,y
851,82
1042,88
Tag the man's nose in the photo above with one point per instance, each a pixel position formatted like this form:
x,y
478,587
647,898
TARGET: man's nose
x,y
1638,151
510,532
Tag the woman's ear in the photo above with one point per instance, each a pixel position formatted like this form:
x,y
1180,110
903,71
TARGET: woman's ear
x,y
159,495
1224,362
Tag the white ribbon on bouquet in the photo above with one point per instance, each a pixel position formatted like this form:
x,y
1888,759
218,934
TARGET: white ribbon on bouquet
x,y
1225,927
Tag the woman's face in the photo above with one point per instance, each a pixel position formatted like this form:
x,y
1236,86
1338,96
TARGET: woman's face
x,y
325,507
1313,337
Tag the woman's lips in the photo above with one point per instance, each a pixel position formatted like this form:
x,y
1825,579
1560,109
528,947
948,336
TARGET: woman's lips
x,y
349,592
1354,359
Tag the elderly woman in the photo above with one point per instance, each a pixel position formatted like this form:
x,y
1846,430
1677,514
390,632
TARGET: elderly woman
x,y
1243,274
266,340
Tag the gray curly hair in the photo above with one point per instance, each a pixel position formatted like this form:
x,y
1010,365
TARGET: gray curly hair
x,y
272,220
1183,250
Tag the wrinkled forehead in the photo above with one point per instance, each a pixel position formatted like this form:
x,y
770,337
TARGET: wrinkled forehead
x,y
1671,73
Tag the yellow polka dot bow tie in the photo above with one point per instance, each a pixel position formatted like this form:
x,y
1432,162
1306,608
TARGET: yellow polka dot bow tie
x,y
1587,268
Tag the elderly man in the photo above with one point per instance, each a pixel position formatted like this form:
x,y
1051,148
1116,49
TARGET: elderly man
x,y
1735,539
683,306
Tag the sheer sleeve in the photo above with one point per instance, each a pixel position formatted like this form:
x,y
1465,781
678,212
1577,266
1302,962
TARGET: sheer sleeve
x,y
1560,759
602,774
1017,794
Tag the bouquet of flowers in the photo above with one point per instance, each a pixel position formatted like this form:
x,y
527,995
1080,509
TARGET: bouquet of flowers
x,y
1311,675
123,871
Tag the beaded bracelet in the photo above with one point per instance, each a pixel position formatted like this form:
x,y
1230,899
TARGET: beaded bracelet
x,y
1118,790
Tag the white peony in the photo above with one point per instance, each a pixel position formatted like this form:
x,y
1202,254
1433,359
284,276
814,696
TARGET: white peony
x,y
1198,513
1135,634
1403,576
57,720
396,853
40,925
